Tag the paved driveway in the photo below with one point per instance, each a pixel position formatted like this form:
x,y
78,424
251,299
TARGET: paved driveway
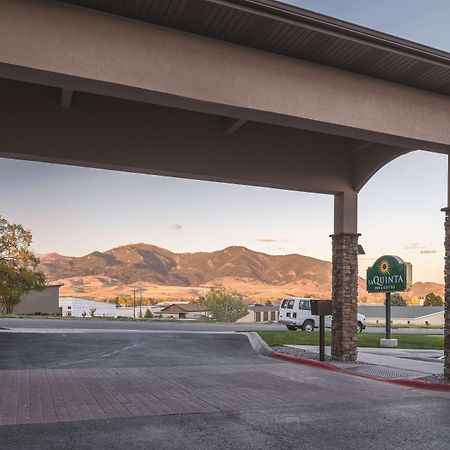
x,y
199,391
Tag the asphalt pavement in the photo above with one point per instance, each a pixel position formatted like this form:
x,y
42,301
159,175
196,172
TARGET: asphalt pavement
x,y
191,390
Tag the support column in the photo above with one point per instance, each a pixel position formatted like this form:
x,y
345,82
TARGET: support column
x,y
447,295
447,280
345,277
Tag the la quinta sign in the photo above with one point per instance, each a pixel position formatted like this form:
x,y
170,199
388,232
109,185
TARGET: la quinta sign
x,y
389,274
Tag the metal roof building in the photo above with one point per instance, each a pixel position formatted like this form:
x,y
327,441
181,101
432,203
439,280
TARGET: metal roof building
x,y
400,312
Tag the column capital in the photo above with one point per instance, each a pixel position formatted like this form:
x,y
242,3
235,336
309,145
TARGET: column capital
x,y
347,234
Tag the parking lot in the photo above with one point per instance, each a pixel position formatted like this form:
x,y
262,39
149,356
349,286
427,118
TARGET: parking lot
x,y
196,390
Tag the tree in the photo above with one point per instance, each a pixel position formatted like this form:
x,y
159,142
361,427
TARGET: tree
x,y
225,305
92,311
114,300
18,265
397,300
433,300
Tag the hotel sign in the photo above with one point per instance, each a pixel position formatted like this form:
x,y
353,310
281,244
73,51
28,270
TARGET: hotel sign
x,y
389,274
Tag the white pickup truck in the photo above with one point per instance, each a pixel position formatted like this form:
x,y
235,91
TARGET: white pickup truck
x,y
295,313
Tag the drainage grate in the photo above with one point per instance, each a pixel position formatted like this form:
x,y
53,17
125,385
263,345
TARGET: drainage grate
x,y
385,372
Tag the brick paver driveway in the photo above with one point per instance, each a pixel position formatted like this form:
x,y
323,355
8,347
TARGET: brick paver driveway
x,y
189,390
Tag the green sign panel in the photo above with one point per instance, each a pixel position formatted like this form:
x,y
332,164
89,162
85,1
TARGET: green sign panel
x,y
389,274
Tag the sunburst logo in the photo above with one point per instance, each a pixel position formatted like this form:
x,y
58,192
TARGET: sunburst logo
x,y
385,267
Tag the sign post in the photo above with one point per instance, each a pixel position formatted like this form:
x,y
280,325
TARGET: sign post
x,y
388,315
389,274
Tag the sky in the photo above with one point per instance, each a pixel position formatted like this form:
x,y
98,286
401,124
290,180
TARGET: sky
x,y
74,211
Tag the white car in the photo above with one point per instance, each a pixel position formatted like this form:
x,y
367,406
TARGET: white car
x,y
295,313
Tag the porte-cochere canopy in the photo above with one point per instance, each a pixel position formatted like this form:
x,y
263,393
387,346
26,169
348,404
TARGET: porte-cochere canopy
x,y
251,92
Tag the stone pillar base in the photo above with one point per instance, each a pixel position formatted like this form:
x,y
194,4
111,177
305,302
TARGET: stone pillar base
x,y
345,296
447,295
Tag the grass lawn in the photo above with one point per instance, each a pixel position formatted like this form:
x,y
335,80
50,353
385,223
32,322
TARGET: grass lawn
x,y
419,341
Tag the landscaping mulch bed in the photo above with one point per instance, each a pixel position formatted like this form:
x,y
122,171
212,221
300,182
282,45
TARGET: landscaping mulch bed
x,y
298,352
437,379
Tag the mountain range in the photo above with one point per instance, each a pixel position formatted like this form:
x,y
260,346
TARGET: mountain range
x,y
161,274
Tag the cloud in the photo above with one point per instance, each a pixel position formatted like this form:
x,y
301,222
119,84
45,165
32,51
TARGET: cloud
x,y
177,226
272,240
414,246
424,250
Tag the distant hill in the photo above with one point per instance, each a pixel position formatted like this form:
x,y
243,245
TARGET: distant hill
x,y
421,289
143,262
165,274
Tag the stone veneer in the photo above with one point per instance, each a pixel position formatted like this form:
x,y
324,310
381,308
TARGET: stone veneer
x,y
345,296
447,295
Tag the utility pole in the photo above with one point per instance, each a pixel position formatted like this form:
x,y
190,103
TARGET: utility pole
x,y
140,307
134,303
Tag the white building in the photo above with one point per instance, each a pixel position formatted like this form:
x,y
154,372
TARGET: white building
x,y
80,307
129,311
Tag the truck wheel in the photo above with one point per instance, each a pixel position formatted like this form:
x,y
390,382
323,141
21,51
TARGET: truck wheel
x,y
308,325
291,328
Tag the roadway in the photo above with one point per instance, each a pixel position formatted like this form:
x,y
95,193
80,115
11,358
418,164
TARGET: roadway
x,y
193,390
99,324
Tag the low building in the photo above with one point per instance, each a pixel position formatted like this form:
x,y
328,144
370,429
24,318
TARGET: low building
x,y
44,302
158,307
80,307
185,311
130,312
261,313
138,311
405,315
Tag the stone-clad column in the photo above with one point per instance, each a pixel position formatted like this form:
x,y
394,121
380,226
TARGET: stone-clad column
x,y
345,296
345,277
447,295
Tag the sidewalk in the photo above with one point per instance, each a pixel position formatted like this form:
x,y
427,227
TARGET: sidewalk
x,y
389,363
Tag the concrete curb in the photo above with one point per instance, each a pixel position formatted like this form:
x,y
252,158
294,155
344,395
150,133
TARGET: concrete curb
x,y
305,361
258,344
412,383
